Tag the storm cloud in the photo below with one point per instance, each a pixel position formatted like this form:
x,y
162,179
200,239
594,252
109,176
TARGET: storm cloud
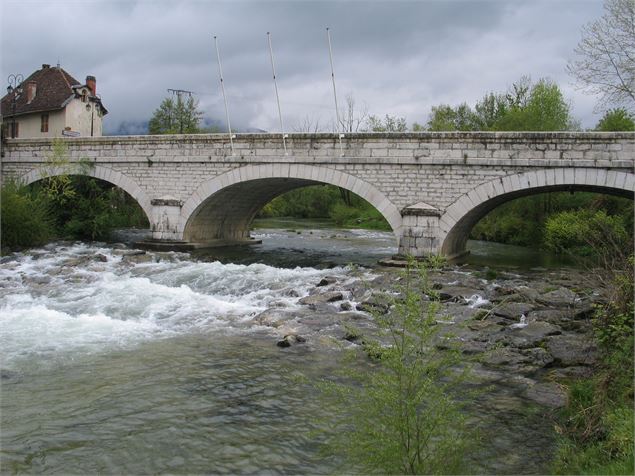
x,y
396,57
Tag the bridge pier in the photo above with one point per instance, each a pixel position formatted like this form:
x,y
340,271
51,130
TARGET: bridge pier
x,y
420,231
166,213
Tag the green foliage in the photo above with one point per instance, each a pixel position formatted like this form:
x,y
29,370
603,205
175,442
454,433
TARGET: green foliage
x,y
525,107
400,415
387,124
66,203
616,120
326,201
176,117
25,218
598,422
523,221
579,231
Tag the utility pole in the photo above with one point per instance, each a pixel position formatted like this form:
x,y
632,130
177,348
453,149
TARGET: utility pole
x,y
179,104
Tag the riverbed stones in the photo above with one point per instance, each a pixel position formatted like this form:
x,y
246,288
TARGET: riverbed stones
x,y
331,296
547,393
532,334
561,297
572,349
512,310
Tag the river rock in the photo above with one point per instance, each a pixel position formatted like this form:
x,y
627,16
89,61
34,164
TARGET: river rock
x,y
74,262
322,298
272,318
346,306
518,360
100,257
327,280
512,310
549,394
561,297
532,334
289,340
137,258
457,294
572,349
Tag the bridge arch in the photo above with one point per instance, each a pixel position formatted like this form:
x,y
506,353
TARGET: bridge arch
x,y
98,172
224,206
460,217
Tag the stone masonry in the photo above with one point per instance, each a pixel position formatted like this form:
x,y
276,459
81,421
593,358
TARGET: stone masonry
x,y
431,187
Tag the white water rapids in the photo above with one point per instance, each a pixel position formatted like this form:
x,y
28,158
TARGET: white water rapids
x,y
69,299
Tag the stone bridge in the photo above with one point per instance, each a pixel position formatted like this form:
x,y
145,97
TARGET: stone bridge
x,y
432,188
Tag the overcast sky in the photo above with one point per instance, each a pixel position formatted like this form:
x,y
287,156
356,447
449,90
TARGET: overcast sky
x,y
397,57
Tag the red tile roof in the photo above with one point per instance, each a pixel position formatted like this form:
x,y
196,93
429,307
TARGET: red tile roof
x,y
54,88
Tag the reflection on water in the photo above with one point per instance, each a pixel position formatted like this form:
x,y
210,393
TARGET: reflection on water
x,y
485,253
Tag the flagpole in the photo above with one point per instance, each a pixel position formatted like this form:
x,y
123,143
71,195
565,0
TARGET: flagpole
x,y
337,114
222,86
275,85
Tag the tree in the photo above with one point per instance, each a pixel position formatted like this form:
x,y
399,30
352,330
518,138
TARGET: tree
x,y
352,120
387,124
605,62
401,416
537,107
616,120
544,110
176,117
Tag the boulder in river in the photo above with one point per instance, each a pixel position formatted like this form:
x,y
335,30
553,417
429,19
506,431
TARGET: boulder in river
x,y
327,280
290,339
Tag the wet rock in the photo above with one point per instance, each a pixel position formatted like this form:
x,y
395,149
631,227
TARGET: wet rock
x,y
36,280
7,375
100,257
532,334
512,310
561,297
572,349
291,293
272,318
290,339
457,294
346,306
373,307
74,262
517,360
548,393
322,298
575,372
137,258
326,281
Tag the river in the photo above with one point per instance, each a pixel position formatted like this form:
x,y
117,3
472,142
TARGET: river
x,y
161,363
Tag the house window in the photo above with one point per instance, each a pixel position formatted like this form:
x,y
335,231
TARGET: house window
x,y
15,129
45,123
84,96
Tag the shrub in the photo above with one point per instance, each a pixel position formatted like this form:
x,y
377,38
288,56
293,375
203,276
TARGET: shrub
x,y
400,416
25,218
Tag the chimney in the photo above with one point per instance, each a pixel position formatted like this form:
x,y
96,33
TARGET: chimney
x,y
91,82
44,66
31,89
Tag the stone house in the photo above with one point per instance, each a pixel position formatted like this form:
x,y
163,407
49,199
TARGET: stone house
x,y
51,103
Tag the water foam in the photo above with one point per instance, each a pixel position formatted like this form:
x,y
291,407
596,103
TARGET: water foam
x,y
90,298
